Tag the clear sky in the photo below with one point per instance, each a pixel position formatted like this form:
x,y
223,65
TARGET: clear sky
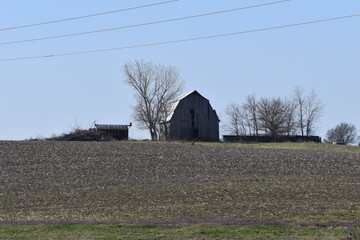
x,y
45,96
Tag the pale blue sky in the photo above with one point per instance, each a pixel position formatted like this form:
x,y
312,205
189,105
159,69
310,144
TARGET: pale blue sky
x,y
40,97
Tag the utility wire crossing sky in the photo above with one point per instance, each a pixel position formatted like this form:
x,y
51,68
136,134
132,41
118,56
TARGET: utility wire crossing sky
x,y
141,24
181,40
86,16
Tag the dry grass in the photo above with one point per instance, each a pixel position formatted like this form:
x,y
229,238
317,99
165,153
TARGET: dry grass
x,y
178,232
309,146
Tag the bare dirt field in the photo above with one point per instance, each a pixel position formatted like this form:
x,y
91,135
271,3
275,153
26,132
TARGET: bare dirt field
x,y
119,182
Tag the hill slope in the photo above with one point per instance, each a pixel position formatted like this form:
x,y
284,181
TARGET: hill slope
x,y
173,183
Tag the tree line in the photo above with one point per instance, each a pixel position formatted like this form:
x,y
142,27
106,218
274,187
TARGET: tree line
x,y
275,116
298,114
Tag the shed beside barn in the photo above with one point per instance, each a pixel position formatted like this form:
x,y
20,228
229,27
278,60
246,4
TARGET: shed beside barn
x,y
118,132
191,117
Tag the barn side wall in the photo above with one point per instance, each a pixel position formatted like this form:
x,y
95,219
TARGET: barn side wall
x,y
194,118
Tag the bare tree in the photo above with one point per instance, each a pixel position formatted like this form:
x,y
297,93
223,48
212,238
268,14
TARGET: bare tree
x,y
250,110
235,120
343,132
248,124
275,116
156,86
314,109
308,110
291,123
300,102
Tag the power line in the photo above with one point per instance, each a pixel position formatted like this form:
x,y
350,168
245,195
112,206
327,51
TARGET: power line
x,y
142,24
182,40
86,16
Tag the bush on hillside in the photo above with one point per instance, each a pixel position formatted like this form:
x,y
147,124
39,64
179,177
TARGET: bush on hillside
x,y
83,135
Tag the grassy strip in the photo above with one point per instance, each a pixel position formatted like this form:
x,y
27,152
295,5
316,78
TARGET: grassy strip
x,y
80,231
292,146
310,146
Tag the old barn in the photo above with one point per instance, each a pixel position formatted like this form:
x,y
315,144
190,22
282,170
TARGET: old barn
x,y
191,118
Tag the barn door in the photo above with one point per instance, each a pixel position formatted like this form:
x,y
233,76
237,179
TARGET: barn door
x,y
194,124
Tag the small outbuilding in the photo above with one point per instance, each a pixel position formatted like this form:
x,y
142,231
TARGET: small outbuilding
x,y
190,118
118,132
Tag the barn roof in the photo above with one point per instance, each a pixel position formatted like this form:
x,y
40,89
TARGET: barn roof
x,y
174,105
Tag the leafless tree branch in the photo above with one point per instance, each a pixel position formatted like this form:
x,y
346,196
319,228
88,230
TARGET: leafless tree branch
x,y
156,87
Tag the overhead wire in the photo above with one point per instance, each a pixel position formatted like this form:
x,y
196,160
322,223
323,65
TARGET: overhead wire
x,y
86,16
142,24
182,40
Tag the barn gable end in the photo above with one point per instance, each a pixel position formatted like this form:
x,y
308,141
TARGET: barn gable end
x,y
190,118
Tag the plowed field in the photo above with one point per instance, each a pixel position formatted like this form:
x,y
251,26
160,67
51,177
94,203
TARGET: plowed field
x,y
43,181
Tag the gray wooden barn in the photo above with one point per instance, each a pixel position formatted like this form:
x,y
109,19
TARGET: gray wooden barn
x,y
190,118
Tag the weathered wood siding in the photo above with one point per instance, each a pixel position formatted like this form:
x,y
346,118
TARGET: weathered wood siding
x,y
118,132
194,118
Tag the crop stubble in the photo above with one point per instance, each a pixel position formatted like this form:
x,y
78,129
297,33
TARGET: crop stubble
x,y
43,181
